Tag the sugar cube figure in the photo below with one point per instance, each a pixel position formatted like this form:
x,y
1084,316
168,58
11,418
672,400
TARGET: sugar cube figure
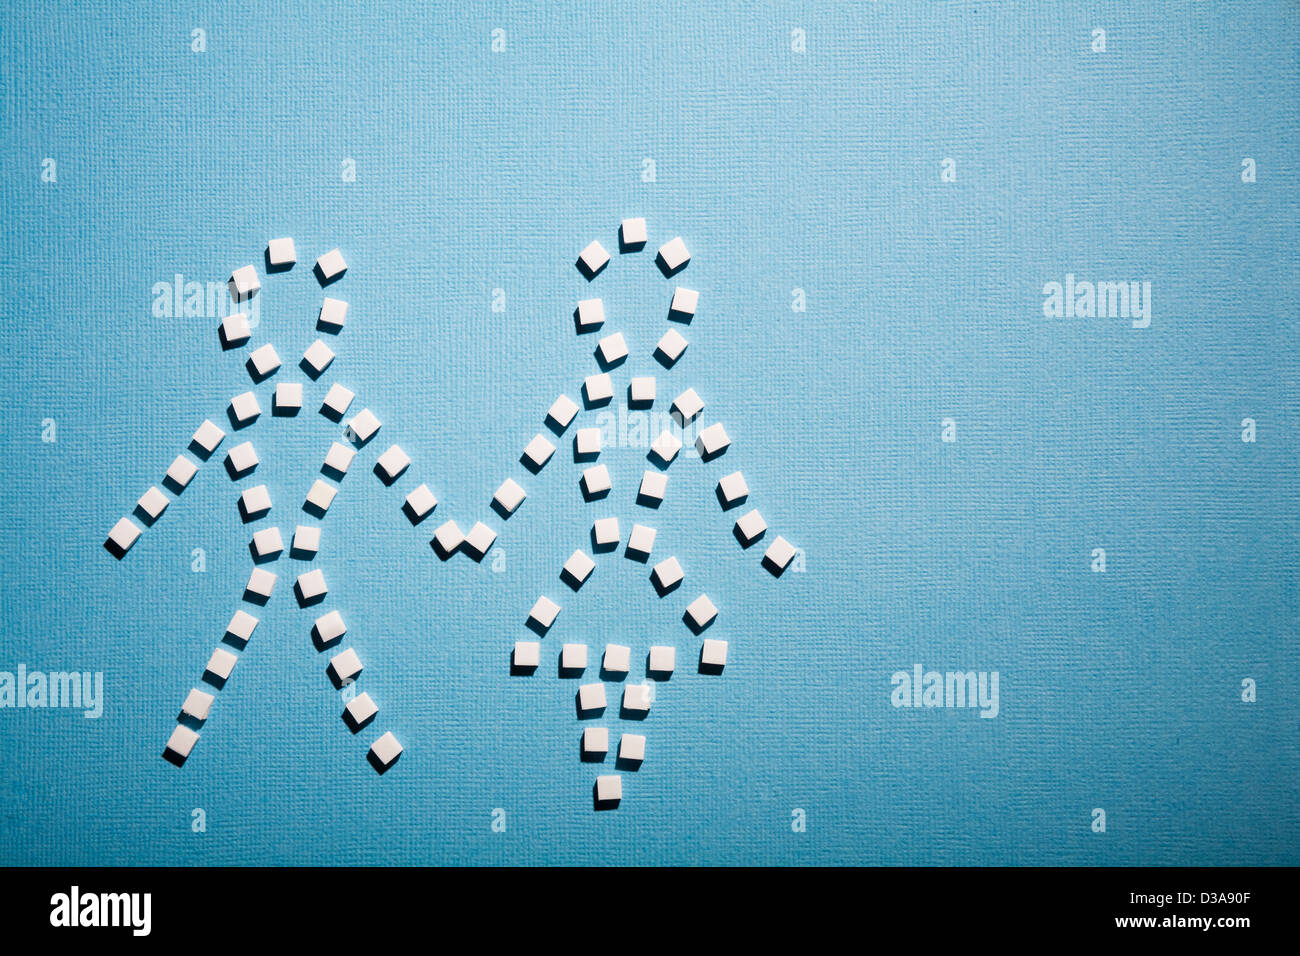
x,y
311,587
244,283
590,315
333,313
596,482
361,710
280,253
686,407
683,306
577,569
306,541
208,436
641,391
750,527
447,539
345,666
654,485
631,748
419,504
732,490
640,542
528,655
392,464
338,459
179,473
336,403
636,698
666,447
255,502
330,267
573,657
478,540
713,655
667,574
263,361
700,613
586,444
712,442
235,330
673,256
662,659
317,358
198,704
543,614
508,497
598,389
537,453
320,497
288,398
329,628
592,260
241,459
591,697
605,533
267,544
632,235
363,427
221,664
618,659
778,556
244,409
151,504
612,349
609,789
385,751
261,583
595,741
123,535
670,348
181,742
241,627
561,412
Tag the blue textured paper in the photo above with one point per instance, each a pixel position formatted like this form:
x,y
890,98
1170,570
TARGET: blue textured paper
x,y
819,170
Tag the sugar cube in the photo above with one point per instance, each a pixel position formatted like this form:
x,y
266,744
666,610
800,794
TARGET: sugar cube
x,y
151,504
686,407
385,750
330,266
346,666
263,361
637,697
419,504
288,398
631,748
586,444
750,527
604,533
122,536
684,304
732,490
447,539
221,663
244,283
562,411
654,484
662,659
235,330
261,583
673,256
578,568
280,253
666,447
538,453
778,556
333,313
361,710
612,349
632,234
255,502
712,441
595,741
392,464
209,436
670,348
573,657
311,587
667,574
591,697
338,458
714,654
182,741
244,409
320,497
509,497
241,627
641,391
306,541
267,544
700,613
543,613
598,389
592,259
179,473
478,540
528,654
317,358
198,704
590,315
336,403
618,659
595,481
363,427
329,628
609,788
241,459
640,542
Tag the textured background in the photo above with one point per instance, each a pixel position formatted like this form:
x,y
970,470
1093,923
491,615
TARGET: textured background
x,y
817,170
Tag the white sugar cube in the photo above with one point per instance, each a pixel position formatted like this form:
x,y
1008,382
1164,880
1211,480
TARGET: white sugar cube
x,y
331,266
209,436
311,586
198,704
241,459
636,697
364,426
264,361
241,626
182,741
671,347
654,485
152,504
598,389
701,612
361,710
609,788
662,659
595,481
339,458
306,540
673,255
267,544
509,496
684,304
618,658
255,502
779,554
528,654
288,398
261,583
641,541
180,472
562,411
448,538
631,747
221,663
330,628
591,697
317,358
235,330
419,503
122,536
613,349
595,740
244,408
714,653
538,452
605,532
667,574
750,527
686,407
320,497
386,749
392,464
544,612
591,315
280,253
333,313
732,489
632,233
573,657
345,665
587,442
479,539
641,390
244,283
712,442
579,567
592,259
336,403
666,446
